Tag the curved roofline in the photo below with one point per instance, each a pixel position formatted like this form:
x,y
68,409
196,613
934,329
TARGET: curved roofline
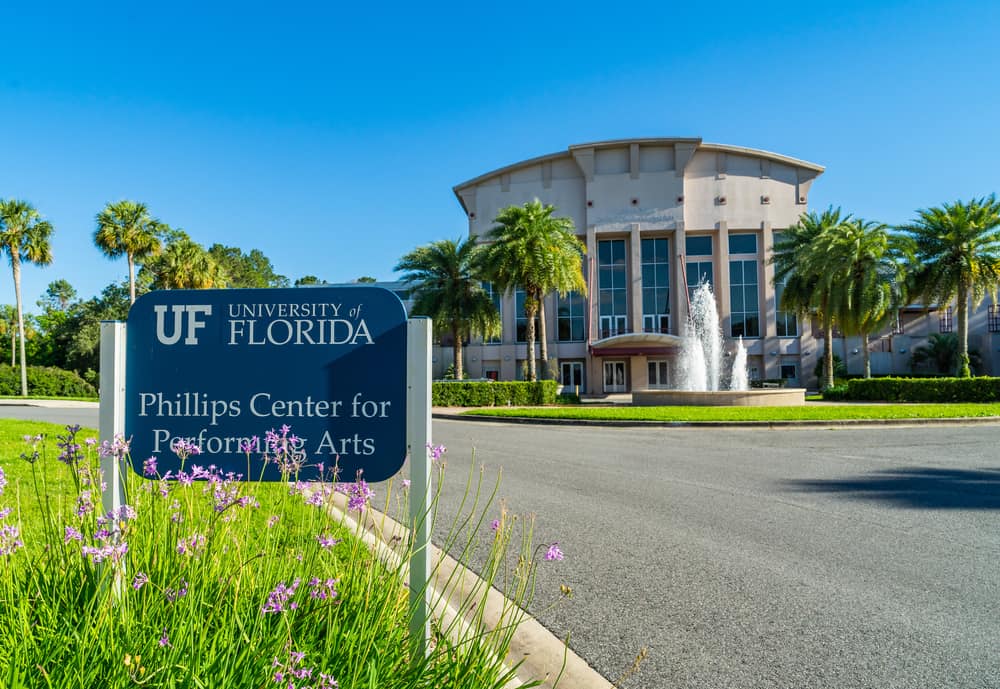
x,y
760,153
612,143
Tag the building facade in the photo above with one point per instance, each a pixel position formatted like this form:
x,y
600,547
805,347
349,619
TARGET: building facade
x,y
657,216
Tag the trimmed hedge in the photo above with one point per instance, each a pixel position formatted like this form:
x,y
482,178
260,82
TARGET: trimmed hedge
x,y
981,389
45,381
493,394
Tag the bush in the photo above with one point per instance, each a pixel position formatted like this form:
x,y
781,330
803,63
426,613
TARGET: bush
x,y
45,381
839,368
925,389
837,393
493,394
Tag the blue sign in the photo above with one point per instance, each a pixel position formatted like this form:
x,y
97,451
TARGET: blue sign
x,y
215,369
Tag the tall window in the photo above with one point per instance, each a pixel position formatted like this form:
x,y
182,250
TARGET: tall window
x,y
743,302
698,270
655,286
786,321
522,319
570,311
495,296
612,287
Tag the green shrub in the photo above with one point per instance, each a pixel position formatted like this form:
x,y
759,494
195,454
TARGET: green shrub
x,y
837,393
45,381
568,398
493,394
925,389
839,368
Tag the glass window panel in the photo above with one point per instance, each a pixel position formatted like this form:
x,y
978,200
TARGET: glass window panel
x,y
620,301
706,272
736,272
647,250
604,252
660,251
648,275
692,274
605,278
648,299
605,302
742,243
736,299
618,251
750,272
577,330
618,278
698,246
753,326
662,275
750,294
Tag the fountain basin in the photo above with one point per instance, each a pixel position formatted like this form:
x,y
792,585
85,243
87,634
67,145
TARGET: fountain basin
x,y
758,397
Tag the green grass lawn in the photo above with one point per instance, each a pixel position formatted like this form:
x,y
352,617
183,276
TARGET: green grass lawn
x,y
808,412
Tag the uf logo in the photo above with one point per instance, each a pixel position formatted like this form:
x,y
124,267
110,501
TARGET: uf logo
x,y
193,322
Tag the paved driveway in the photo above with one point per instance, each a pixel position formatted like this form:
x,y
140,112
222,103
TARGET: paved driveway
x,y
762,558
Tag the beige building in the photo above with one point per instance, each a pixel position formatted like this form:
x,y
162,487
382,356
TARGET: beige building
x,y
657,216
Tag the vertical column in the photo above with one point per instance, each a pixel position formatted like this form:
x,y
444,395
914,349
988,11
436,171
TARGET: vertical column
x,y
593,378
770,342
722,280
635,284
111,420
679,301
418,437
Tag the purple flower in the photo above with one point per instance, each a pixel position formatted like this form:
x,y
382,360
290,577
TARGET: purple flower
x,y
3,480
84,504
139,580
149,467
248,445
5,511
108,551
273,520
184,448
495,525
553,553
280,599
164,640
116,448
72,534
10,539
406,483
172,595
70,451
359,494
437,451
327,542
323,589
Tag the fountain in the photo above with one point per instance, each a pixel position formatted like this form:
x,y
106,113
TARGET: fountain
x,y
699,370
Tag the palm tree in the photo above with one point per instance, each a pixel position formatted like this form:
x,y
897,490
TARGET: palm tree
x,y
868,287
809,277
538,253
184,264
447,288
126,228
958,255
25,238
941,354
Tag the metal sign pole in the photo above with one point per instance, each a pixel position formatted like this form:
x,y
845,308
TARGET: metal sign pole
x,y
418,437
112,414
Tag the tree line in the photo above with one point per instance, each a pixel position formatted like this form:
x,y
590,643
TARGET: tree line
x,y
66,332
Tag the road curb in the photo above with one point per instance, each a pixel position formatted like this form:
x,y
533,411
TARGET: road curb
x,y
830,424
537,652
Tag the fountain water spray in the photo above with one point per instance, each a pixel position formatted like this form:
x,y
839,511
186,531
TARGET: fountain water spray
x,y
700,360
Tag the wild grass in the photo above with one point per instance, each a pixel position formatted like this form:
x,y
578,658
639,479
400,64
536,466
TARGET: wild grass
x,y
205,580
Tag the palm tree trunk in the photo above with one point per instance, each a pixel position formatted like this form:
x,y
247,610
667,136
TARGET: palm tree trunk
x,y
457,349
13,346
131,279
15,262
866,356
828,354
963,332
542,338
531,310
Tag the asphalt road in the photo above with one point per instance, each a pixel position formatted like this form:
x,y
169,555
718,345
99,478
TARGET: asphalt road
x,y
761,558
753,558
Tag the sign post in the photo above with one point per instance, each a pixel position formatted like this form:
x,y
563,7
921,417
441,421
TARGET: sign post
x,y
111,418
418,438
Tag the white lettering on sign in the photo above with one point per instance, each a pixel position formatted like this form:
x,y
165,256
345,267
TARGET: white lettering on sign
x,y
327,331
193,322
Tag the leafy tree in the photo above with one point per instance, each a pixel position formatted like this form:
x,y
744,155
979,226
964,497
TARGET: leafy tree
x,y
185,264
58,296
246,270
809,277
366,279
869,263
958,257
538,253
126,227
8,328
940,355
24,236
310,280
447,288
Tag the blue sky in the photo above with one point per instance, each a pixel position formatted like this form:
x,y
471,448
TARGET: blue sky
x,y
330,137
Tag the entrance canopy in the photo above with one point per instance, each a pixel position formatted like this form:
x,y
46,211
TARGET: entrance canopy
x,y
637,344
